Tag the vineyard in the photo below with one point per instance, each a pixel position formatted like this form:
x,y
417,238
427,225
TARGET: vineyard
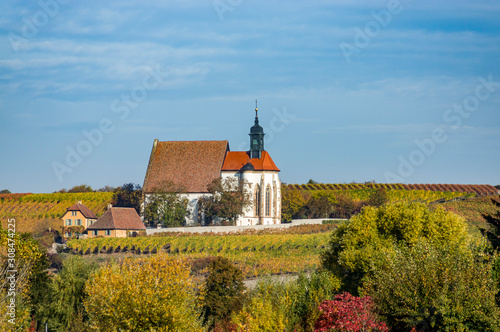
x,y
462,189
256,254
29,209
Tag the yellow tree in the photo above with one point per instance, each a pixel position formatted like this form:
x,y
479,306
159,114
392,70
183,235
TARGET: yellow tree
x,y
150,294
19,255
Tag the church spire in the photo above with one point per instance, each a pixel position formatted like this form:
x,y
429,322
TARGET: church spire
x,y
256,137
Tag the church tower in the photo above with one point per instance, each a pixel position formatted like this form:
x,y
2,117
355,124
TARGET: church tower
x,y
256,137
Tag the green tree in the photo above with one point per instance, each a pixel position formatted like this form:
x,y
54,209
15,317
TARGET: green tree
x,y
224,292
292,202
63,310
320,204
306,294
378,197
5,191
167,206
106,189
433,288
128,195
149,294
358,245
83,188
229,198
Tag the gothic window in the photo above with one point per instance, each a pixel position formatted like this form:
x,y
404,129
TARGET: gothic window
x,y
256,201
275,199
268,201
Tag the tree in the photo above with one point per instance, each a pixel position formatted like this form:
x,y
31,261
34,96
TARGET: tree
x,y
306,293
378,197
358,245
434,288
83,188
5,191
20,262
64,308
292,202
320,204
345,207
143,294
128,195
106,189
224,292
167,206
227,201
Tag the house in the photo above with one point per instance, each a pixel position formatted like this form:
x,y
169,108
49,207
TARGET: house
x,y
77,219
117,222
193,165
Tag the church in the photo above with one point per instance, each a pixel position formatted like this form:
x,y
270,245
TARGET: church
x,y
193,165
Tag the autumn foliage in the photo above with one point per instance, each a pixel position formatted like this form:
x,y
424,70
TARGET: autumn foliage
x,y
152,294
348,313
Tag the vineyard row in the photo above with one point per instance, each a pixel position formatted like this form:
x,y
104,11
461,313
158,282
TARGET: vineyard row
x,y
479,190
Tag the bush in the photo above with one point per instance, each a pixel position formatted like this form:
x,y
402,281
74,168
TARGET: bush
x,y
224,292
348,313
66,294
287,306
358,245
150,294
306,293
436,289
266,309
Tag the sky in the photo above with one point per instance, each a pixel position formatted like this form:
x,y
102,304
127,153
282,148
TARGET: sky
x,y
387,91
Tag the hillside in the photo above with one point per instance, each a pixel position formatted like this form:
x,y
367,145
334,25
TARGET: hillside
x,y
455,189
34,210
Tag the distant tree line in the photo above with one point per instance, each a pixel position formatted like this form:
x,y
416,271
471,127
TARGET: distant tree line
x,y
300,204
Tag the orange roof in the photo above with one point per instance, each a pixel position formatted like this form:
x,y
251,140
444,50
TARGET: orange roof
x,y
191,165
235,160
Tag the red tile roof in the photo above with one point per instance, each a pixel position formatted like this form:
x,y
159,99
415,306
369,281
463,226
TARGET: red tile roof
x,y
87,213
235,160
119,218
189,164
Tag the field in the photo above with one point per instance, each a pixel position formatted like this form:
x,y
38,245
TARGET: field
x,y
33,210
460,189
257,254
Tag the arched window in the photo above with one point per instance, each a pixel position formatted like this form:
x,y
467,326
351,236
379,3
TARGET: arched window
x,y
256,201
275,200
268,201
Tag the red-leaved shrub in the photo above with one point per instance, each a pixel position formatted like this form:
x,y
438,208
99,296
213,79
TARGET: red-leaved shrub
x,y
348,313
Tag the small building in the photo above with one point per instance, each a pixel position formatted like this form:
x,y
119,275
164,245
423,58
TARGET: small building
x,y
117,222
77,219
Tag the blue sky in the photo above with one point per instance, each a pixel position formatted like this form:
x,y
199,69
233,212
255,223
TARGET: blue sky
x,y
391,91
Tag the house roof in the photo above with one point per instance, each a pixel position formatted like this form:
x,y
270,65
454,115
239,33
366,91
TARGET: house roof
x,y
191,165
236,160
119,218
87,213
